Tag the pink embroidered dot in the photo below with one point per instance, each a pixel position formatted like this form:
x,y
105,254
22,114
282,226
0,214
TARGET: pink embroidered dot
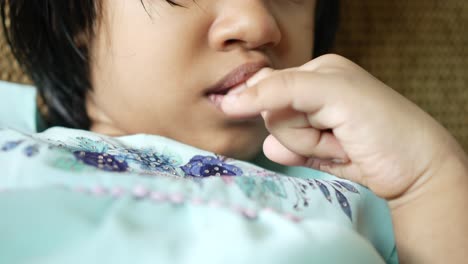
x,y
237,209
176,198
269,210
98,190
157,196
139,191
197,201
249,213
292,217
117,192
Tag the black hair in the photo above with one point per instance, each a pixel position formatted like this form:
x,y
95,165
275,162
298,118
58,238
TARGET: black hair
x,y
327,16
49,39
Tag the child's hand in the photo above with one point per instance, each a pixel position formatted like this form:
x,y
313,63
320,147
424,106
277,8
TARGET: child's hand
x,y
332,115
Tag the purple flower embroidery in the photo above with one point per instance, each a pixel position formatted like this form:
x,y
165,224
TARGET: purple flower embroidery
x,y
206,166
31,151
11,145
101,161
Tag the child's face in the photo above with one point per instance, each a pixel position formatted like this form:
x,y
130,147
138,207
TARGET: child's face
x,y
151,71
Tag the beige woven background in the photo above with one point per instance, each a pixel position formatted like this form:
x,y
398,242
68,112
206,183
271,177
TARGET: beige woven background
x,y
420,48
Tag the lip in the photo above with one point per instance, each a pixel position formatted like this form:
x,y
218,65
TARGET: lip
x,y
235,77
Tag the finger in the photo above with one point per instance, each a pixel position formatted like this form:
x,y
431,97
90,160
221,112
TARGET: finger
x,y
312,143
262,74
293,131
264,94
302,91
328,61
285,118
276,152
257,77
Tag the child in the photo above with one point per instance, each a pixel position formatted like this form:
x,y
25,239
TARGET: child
x,y
202,73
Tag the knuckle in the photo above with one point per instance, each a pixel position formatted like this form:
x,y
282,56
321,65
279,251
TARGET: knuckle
x,y
287,81
334,63
333,58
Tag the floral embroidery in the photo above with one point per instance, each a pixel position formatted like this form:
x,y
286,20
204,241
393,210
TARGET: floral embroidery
x,y
347,186
323,188
141,194
338,187
259,185
109,157
31,150
344,204
206,166
101,161
10,145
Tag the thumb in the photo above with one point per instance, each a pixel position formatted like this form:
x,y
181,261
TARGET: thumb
x,y
277,152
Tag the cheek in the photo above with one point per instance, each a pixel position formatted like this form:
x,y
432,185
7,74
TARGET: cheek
x,y
128,86
125,49
296,47
135,73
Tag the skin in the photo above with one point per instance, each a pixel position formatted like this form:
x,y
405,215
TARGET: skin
x,y
360,129
146,80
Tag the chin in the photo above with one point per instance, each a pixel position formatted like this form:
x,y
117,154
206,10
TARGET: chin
x,y
241,148
247,153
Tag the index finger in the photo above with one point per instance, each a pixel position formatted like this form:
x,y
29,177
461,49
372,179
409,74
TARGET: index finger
x,y
300,90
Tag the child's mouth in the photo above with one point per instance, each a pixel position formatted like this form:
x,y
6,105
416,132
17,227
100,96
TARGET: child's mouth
x,y
217,97
233,82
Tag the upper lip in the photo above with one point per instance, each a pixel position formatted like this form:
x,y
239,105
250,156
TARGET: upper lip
x,y
237,76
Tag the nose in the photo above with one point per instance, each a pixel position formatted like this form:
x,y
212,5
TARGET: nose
x,y
245,23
